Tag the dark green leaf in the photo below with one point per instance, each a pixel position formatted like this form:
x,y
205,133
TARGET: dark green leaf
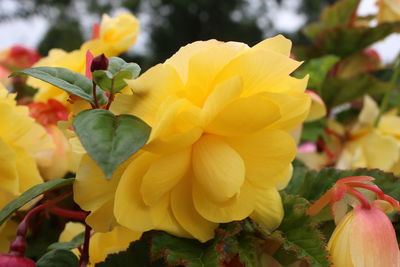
x,y
30,194
317,68
72,82
338,91
312,130
74,243
114,77
300,235
58,258
312,184
339,14
110,139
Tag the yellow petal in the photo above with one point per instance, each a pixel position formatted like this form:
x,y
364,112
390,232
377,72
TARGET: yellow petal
x,y
149,93
90,175
204,66
317,108
369,112
28,172
236,208
268,208
171,225
129,207
103,244
217,168
8,170
293,108
180,60
244,115
71,230
339,243
223,94
388,152
266,154
102,219
163,174
186,214
278,44
261,70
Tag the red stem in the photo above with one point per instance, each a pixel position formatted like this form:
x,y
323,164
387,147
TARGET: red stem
x,y
96,102
360,197
71,214
84,259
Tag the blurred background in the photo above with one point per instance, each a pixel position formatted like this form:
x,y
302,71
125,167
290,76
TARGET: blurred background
x,y
166,25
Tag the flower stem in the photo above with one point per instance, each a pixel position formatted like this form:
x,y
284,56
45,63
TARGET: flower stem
x,y
71,214
111,98
84,259
96,102
393,85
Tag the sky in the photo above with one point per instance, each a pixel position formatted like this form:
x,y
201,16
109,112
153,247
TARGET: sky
x,y
30,31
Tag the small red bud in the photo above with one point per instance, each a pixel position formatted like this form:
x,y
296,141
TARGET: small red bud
x,y
99,63
15,261
18,246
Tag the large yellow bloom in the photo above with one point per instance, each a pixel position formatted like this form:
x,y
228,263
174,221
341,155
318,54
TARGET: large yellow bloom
x,y
220,144
116,36
22,141
365,140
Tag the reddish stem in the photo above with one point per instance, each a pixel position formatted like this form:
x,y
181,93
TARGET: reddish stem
x,y
96,102
84,259
360,197
71,214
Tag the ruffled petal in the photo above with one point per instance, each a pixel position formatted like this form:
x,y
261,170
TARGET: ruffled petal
x,y
268,209
163,174
217,168
244,116
234,209
266,154
186,214
129,207
278,44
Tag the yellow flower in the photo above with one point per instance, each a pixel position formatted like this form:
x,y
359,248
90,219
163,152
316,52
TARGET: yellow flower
x,y
101,244
365,139
220,144
364,238
389,10
116,36
22,141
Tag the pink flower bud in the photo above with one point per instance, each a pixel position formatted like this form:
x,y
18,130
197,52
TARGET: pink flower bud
x,y
15,261
99,63
364,237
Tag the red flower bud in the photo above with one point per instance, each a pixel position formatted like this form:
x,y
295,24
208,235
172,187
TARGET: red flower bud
x,y
15,261
99,63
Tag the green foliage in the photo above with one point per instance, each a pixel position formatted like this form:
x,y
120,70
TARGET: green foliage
x,y
58,258
317,68
72,82
30,194
312,184
312,130
110,139
74,243
299,233
337,91
112,79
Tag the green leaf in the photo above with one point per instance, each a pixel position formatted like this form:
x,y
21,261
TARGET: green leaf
x,y
113,79
58,258
72,82
337,15
338,91
74,243
317,68
30,194
312,184
312,130
110,139
300,235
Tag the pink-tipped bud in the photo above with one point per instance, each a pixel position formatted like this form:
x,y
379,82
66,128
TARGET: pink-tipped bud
x,y
99,63
15,261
